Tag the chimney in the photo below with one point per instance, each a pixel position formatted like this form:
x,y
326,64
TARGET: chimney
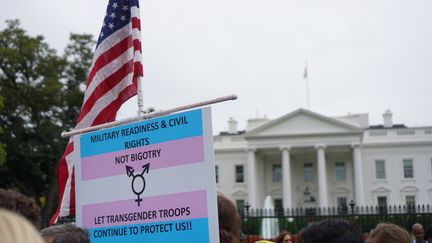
x,y
388,121
232,126
256,122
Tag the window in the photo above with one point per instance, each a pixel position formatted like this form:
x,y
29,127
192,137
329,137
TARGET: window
x,y
278,207
408,168
308,172
342,201
240,204
342,205
277,173
217,173
239,173
410,203
380,169
340,171
382,204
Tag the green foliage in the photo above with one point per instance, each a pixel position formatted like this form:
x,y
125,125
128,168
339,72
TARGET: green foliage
x,y
78,55
251,226
29,78
42,95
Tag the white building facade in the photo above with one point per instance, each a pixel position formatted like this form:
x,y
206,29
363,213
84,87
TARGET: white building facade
x,y
305,159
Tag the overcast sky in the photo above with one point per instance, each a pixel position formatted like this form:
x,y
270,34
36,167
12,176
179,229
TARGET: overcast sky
x,y
364,56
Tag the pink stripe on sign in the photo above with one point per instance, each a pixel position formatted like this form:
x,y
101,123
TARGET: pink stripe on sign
x,y
179,206
161,155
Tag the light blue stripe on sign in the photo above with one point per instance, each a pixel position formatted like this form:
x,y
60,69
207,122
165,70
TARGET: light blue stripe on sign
x,y
138,134
195,230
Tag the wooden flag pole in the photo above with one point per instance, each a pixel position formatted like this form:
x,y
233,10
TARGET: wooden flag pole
x,y
148,116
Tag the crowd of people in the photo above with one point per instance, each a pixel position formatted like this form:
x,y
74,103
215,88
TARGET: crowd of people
x,y
20,222
327,231
342,231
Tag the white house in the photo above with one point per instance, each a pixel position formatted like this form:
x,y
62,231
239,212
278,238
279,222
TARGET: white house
x,y
307,159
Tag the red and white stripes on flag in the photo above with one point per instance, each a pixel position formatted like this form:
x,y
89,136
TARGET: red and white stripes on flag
x,y
112,80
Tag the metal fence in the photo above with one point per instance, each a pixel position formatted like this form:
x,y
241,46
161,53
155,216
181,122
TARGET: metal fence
x,y
293,220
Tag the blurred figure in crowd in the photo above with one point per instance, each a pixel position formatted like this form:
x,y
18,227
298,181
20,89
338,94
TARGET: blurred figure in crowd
x,y
331,231
428,234
389,233
284,237
65,233
14,228
229,221
418,233
21,204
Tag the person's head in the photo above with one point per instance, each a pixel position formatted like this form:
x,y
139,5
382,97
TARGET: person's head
x,y
428,234
21,204
65,233
418,232
229,221
284,237
331,231
14,228
389,233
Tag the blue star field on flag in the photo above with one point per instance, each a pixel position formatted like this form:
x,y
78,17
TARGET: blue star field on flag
x,y
117,16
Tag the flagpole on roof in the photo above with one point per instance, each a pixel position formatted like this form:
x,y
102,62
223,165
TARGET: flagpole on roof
x,y
140,97
306,77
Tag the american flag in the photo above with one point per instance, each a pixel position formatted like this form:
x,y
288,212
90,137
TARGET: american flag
x,y
112,80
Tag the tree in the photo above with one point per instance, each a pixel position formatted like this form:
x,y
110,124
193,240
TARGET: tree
x,y
42,93
79,55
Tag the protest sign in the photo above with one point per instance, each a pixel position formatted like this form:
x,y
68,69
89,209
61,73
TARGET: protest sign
x,y
148,181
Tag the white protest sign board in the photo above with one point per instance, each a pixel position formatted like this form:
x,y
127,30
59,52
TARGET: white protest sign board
x,y
148,181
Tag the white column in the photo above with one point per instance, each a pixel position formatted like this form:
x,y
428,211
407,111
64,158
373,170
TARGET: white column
x,y
286,178
358,175
322,176
251,178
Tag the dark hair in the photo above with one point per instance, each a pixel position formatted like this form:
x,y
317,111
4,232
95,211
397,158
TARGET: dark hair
x,y
21,204
331,231
66,233
229,220
281,236
389,233
428,232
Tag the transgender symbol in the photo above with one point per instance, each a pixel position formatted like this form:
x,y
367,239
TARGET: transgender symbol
x,y
138,182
